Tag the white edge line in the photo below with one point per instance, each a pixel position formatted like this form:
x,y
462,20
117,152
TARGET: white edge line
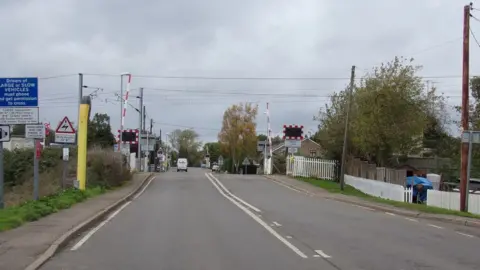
x,y
94,230
144,188
390,214
363,207
464,234
289,187
233,195
411,219
257,219
435,226
321,253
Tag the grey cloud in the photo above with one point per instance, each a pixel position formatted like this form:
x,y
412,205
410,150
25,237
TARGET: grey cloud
x,y
271,38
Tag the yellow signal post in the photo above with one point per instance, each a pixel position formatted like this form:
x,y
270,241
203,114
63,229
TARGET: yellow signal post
x,y
82,146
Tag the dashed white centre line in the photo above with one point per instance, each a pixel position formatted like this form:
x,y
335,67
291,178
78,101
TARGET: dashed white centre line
x,y
288,237
321,253
277,224
390,214
411,219
464,234
435,226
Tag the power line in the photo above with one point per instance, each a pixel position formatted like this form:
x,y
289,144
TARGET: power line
x,y
254,78
57,76
474,37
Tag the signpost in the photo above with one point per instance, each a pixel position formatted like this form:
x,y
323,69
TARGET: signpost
x,y
65,157
293,136
220,161
18,106
65,133
245,163
471,137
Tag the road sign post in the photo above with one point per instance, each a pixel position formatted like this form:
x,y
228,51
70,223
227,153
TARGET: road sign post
x,y
4,137
65,133
471,137
293,136
245,163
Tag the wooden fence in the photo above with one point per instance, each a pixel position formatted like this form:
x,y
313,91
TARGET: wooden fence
x,y
358,168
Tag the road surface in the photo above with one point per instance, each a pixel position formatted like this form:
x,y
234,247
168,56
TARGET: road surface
x,y
190,220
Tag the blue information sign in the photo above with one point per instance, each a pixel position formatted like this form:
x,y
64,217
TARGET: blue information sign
x,y
18,92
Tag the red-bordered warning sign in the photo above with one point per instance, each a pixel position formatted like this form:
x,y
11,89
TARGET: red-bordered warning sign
x,y
65,127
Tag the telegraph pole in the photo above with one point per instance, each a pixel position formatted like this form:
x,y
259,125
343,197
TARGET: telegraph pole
x,y
345,133
140,120
144,117
465,107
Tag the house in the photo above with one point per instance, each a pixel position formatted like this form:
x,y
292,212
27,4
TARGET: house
x,y
308,148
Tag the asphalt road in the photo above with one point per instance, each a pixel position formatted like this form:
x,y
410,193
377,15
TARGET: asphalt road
x,y
189,221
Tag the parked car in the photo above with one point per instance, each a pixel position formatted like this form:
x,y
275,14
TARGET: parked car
x,y
215,167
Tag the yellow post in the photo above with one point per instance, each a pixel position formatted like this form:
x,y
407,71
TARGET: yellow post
x,y
82,146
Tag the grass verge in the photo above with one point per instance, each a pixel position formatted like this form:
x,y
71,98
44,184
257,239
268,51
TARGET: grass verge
x,y
28,211
334,187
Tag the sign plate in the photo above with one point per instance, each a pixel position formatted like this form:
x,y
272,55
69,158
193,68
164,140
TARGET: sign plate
x,y
18,115
246,162
292,150
65,153
143,147
65,127
4,133
34,131
18,92
293,143
475,137
64,138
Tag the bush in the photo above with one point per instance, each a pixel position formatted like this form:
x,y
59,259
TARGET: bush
x,y
103,170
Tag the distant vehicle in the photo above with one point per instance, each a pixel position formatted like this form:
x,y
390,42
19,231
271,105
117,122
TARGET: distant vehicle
x,y
182,165
215,167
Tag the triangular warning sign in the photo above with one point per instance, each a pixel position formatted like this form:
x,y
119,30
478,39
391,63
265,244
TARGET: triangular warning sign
x,y
65,127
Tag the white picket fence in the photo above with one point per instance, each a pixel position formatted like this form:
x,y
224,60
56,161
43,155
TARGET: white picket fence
x,y
380,189
311,167
451,200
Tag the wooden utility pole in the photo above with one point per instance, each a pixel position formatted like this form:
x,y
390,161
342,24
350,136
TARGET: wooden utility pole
x,y
465,107
345,132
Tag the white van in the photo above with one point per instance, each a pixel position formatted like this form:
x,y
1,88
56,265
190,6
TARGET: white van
x,y
182,164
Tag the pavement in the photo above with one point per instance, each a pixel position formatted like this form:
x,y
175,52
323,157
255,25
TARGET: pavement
x,y
21,246
193,220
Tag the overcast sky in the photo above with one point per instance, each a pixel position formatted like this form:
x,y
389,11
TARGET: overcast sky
x,y
223,38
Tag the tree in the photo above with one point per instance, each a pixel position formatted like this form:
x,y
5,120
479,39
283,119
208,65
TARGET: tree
x,y
186,143
214,150
99,131
390,111
238,135
262,137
